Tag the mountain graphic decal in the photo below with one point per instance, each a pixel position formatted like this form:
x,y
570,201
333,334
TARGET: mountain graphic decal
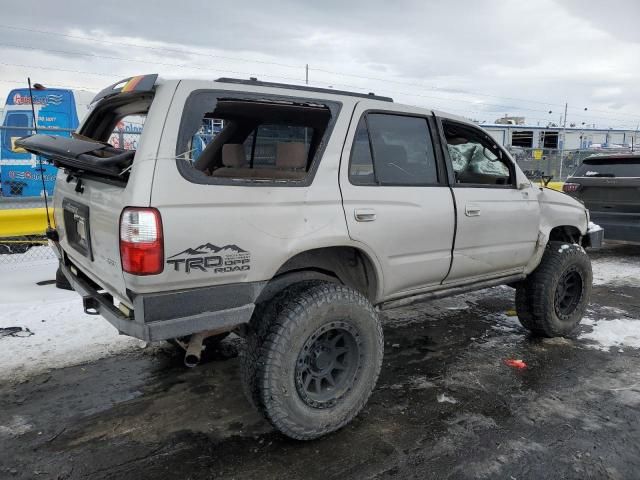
x,y
210,248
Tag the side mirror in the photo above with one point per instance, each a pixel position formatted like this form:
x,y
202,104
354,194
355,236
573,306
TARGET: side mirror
x,y
524,186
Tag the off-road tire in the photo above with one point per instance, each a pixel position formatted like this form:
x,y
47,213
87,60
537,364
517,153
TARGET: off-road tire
x,y
539,298
279,334
61,281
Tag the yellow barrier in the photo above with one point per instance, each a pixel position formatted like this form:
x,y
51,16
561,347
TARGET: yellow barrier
x,y
17,222
553,185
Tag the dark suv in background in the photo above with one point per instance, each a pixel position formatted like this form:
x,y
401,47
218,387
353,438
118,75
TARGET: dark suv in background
x,y
609,186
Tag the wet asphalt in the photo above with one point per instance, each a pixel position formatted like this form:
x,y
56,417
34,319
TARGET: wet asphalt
x,y
446,406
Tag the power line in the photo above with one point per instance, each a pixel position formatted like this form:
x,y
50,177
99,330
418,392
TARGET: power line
x,y
544,120
285,65
148,47
5,64
408,94
176,65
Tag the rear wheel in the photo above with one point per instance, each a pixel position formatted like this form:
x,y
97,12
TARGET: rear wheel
x,y
312,358
552,300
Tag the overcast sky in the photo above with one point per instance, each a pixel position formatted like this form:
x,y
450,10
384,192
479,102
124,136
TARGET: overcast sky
x,y
481,59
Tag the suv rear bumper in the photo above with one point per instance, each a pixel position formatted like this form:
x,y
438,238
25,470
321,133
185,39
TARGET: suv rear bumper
x,y
161,316
619,226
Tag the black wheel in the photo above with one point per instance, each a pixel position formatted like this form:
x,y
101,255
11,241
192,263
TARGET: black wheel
x,y
61,281
312,358
552,300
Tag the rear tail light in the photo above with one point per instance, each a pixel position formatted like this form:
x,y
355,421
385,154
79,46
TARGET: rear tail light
x,y
141,243
571,187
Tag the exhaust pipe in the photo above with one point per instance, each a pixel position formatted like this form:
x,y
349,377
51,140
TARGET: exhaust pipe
x,y
195,346
194,349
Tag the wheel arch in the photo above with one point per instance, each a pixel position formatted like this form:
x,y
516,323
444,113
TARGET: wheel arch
x,y
349,265
565,233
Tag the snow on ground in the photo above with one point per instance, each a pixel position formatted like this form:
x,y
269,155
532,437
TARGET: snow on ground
x,y
616,271
62,334
617,333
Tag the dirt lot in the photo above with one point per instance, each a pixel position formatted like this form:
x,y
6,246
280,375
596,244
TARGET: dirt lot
x,y
446,405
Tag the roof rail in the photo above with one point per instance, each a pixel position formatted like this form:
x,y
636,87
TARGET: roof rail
x,y
305,88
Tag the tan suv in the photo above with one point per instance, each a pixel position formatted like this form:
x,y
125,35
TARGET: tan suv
x,y
293,215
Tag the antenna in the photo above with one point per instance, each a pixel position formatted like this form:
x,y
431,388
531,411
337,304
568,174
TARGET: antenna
x,y
35,129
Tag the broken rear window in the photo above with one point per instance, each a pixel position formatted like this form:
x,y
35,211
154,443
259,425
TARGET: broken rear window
x,y
105,145
252,139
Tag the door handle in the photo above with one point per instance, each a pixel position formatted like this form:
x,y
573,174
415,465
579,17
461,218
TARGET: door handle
x,y
365,215
472,210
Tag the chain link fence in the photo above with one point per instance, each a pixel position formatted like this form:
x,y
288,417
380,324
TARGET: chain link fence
x,y
16,249
556,163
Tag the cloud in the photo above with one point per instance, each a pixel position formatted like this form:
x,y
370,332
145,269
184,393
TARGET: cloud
x,y
471,58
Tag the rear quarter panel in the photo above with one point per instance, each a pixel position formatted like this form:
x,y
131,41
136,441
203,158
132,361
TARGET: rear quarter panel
x,y
258,227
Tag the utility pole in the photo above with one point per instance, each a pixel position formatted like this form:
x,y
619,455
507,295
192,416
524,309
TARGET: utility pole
x,y
564,136
306,74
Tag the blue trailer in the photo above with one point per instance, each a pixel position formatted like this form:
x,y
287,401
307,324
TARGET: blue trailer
x,y
59,112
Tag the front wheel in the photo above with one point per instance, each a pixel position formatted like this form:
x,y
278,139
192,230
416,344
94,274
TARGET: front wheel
x,y
313,358
554,297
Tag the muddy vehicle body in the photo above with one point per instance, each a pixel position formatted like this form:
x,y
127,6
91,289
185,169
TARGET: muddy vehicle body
x,y
293,216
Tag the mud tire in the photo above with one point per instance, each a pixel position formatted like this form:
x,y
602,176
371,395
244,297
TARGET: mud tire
x,y
279,337
554,297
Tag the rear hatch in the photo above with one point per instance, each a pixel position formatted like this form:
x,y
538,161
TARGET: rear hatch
x,y
95,167
609,185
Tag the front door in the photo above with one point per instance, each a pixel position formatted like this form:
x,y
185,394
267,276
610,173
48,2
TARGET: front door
x,y
497,223
395,198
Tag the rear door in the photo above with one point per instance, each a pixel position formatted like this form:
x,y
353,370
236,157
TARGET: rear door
x,y
395,197
497,223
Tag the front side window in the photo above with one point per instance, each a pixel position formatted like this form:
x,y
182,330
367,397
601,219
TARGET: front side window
x,y
475,157
391,149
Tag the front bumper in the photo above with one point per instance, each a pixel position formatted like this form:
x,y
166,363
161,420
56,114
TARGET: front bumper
x,y
165,315
594,237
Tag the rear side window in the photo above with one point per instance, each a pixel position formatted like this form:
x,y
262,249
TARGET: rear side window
x,y
391,149
604,167
257,139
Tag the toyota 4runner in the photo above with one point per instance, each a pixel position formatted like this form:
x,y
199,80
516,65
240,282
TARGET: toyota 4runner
x,y
187,209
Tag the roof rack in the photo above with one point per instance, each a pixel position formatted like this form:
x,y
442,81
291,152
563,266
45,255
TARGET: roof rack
x,y
305,88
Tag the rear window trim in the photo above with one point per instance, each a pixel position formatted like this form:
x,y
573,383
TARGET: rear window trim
x,y
211,96
607,161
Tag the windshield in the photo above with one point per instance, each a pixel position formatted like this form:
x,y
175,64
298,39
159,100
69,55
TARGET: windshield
x,y
609,167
